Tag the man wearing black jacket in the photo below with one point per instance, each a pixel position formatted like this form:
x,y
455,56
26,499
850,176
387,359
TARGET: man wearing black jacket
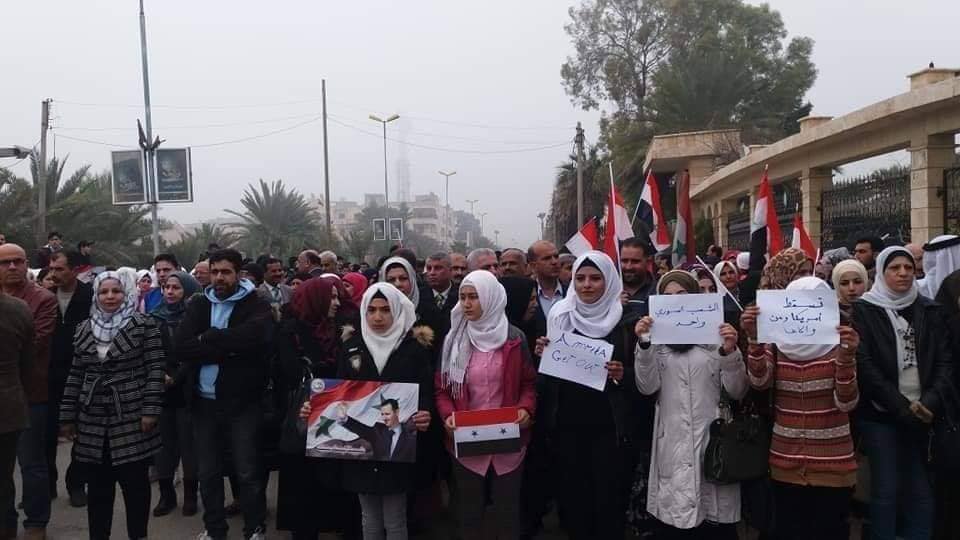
x,y
74,299
223,339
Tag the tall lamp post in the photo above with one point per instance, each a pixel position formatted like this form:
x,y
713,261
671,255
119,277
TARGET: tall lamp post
x,y
541,216
481,214
386,187
446,220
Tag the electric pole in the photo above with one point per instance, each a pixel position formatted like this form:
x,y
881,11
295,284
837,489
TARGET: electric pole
x,y
42,173
578,140
151,145
326,165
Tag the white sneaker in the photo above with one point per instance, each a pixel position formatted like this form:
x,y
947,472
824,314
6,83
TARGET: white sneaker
x,y
205,536
257,535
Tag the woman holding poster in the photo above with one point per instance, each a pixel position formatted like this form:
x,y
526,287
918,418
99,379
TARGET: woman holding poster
x,y
486,365
593,431
687,380
812,461
386,350
904,369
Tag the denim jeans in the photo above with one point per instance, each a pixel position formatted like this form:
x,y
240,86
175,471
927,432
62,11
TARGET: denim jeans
x,y
177,436
32,456
384,516
214,430
897,470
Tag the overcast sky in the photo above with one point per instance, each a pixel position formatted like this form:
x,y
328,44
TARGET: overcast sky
x,y
476,82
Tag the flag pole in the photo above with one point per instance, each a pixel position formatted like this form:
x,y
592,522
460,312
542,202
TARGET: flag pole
x,y
612,215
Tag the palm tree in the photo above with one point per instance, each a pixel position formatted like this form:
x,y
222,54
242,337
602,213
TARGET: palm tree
x,y
121,233
16,208
357,242
563,202
56,192
194,243
276,220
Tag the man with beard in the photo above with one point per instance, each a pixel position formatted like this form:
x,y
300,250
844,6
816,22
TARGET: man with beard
x,y
458,267
638,284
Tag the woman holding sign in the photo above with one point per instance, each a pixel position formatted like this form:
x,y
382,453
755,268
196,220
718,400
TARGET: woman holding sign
x,y
687,380
387,349
486,365
593,430
812,462
904,370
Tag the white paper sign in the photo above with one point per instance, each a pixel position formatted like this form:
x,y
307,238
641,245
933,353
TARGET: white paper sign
x,y
680,319
798,317
577,359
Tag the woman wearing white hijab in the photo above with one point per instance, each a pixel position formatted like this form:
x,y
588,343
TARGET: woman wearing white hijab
x,y
903,369
387,350
592,430
816,389
486,364
111,403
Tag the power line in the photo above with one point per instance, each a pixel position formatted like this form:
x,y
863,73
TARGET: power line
x,y
196,126
451,150
458,123
457,137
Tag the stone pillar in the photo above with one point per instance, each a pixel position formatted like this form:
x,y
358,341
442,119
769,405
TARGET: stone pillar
x,y
929,156
813,182
700,168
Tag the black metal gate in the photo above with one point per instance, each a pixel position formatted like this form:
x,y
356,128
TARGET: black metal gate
x,y
786,197
951,203
876,204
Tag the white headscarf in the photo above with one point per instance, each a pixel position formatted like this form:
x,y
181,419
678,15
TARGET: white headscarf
x,y
880,294
414,295
486,334
381,346
801,352
941,259
105,326
594,320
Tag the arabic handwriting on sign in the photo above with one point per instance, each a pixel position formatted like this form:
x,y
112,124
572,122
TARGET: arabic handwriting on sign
x,y
692,324
790,303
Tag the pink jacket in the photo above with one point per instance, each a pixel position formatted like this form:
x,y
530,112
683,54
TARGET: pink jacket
x,y
519,385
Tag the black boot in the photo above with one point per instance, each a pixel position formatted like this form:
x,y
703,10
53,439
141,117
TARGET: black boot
x,y
168,499
190,496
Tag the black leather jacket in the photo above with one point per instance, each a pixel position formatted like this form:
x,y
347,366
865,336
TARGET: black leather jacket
x,y
877,369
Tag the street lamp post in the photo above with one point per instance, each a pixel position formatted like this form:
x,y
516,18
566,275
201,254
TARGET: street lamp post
x,y
386,187
481,214
542,216
446,220
18,152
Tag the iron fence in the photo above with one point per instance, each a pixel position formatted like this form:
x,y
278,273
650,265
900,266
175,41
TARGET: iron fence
x,y
876,204
951,203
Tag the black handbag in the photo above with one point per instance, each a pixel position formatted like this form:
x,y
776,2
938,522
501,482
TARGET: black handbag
x,y
739,446
293,432
943,447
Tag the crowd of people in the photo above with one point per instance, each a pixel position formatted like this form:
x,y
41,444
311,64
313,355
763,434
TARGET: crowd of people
x,y
200,374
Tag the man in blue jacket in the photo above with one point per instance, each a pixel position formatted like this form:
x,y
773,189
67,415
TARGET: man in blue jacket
x,y
224,338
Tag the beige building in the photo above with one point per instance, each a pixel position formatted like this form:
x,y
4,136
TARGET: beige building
x,y
923,121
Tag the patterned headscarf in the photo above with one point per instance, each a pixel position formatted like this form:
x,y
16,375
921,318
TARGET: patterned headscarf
x,y
782,269
105,326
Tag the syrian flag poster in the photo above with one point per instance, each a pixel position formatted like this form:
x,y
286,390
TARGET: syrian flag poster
x,y
365,420
491,431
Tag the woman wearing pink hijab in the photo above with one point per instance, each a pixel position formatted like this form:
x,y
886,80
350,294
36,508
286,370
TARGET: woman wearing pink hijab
x,y
356,284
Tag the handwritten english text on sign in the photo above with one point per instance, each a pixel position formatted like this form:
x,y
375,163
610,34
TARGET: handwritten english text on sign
x,y
680,319
798,317
577,359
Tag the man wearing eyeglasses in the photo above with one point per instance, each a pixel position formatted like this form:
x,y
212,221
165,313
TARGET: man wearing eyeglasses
x,y
31,449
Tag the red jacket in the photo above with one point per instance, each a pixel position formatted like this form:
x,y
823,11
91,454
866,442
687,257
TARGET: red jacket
x,y
519,385
43,306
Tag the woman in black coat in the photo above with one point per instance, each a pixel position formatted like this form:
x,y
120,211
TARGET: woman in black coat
x,y
904,371
307,346
386,350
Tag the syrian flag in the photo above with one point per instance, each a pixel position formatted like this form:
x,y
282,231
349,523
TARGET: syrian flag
x,y
491,431
765,234
618,225
801,240
684,250
585,239
650,213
